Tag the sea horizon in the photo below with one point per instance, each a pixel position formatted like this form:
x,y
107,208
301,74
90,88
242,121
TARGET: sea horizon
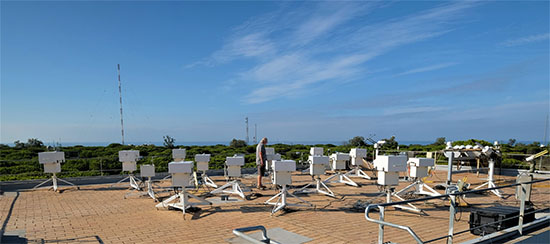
x,y
226,143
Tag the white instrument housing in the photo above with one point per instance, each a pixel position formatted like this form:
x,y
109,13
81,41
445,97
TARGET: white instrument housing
x,y
234,165
338,160
316,151
179,154
181,173
202,161
282,171
128,156
147,170
388,167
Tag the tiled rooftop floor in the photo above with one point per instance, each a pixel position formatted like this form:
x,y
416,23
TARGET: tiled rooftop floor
x,y
99,214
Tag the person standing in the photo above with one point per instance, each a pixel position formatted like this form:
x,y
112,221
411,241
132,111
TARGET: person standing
x,y
260,161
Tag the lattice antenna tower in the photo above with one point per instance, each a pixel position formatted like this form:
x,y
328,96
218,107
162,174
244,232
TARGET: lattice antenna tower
x,y
120,96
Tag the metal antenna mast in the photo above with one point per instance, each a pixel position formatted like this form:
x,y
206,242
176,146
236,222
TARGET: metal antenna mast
x,y
120,95
255,134
246,121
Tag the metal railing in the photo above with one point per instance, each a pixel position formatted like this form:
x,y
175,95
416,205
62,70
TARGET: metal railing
x,y
452,211
240,233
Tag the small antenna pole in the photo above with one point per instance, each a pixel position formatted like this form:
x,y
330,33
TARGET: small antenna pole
x,y
255,134
246,121
120,96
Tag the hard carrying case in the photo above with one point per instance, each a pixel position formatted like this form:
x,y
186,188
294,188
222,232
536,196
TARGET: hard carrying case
x,y
490,215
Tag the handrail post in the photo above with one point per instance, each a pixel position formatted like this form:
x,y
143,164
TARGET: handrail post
x,y
452,211
450,168
523,194
381,226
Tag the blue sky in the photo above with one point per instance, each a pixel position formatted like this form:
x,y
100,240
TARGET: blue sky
x,y
302,71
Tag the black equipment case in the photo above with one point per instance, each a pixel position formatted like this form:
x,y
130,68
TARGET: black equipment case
x,y
483,216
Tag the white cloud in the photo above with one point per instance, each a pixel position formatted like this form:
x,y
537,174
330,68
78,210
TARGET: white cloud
x,y
526,40
427,68
249,45
296,50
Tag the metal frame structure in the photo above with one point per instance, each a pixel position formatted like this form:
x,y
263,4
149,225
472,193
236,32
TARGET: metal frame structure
x,y
236,188
235,184
134,185
452,210
417,172
339,175
54,180
490,180
180,200
421,188
320,187
342,178
149,192
356,171
282,200
52,164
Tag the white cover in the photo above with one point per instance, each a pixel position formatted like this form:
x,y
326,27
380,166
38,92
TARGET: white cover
x,y
318,159
317,169
282,178
391,163
178,153
147,170
388,178
269,151
418,172
129,166
316,151
236,160
128,156
358,152
422,162
284,165
52,168
181,179
51,157
339,157
202,157
180,167
202,166
233,170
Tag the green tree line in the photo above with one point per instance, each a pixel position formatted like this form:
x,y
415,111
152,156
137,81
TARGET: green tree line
x,y
20,161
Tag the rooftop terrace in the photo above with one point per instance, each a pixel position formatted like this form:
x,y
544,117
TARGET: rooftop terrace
x,y
99,214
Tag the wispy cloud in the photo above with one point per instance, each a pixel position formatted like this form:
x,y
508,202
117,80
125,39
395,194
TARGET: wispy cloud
x,y
427,68
526,40
295,51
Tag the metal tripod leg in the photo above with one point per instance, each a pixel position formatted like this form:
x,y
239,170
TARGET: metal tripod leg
x,y
44,182
342,178
490,184
357,172
183,202
150,192
430,192
235,189
418,186
208,181
410,207
320,187
282,201
133,182
54,180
